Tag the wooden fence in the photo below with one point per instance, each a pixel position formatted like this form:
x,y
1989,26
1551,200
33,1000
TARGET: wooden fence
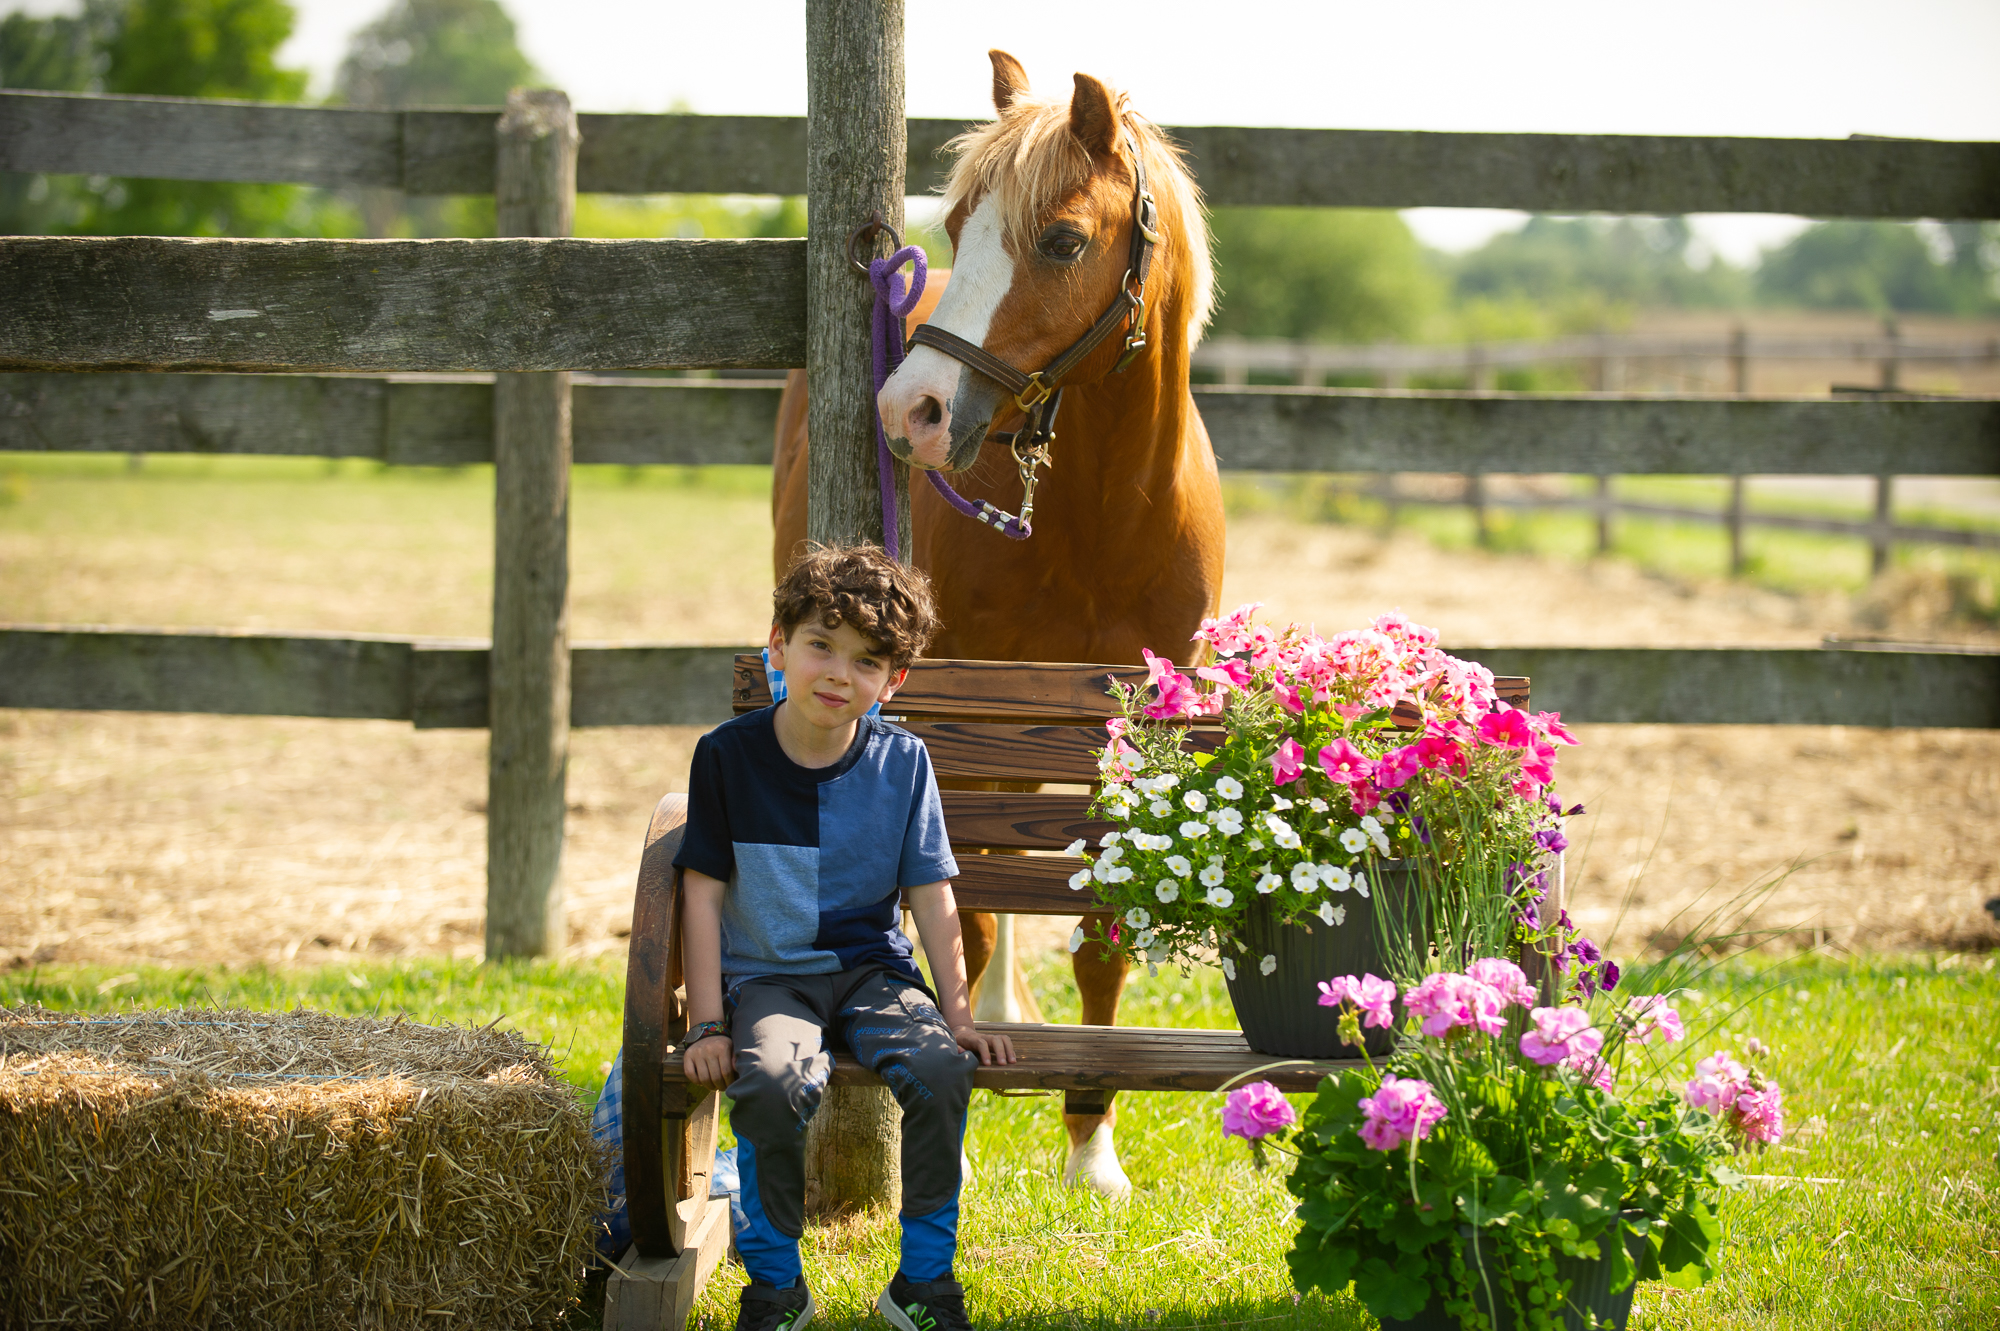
x,y
240,346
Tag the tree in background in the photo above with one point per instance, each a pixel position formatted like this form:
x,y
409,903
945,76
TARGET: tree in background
x,y
1601,264
1882,267
171,48
432,53
1321,275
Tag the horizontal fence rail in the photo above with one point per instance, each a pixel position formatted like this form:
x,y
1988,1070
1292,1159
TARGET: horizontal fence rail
x,y
451,152
444,684
640,421
514,304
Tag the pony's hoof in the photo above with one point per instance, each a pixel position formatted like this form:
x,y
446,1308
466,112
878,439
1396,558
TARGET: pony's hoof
x,y
1095,1165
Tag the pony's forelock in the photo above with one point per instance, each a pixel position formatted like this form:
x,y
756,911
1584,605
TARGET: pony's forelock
x,y
1028,158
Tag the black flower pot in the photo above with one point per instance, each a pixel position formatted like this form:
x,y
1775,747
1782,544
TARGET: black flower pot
x,y
1591,1302
1280,1012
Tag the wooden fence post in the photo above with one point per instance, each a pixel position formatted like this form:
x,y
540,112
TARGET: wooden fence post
x,y
534,195
1739,360
1475,499
855,145
1604,508
1879,539
1735,521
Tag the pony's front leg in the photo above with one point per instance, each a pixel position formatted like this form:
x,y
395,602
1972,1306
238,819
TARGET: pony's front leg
x,y
980,931
1100,982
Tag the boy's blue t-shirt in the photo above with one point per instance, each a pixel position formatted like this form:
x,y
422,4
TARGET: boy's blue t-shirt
x,y
815,858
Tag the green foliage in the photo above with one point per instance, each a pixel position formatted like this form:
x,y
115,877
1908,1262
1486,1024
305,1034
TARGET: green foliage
x,y
167,48
1322,275
434,53
1585,266
1882,267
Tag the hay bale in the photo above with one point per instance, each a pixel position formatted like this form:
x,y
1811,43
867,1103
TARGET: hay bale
x,y
231,1168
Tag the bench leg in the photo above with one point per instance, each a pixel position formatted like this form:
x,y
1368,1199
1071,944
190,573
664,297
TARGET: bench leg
x,y
658,1293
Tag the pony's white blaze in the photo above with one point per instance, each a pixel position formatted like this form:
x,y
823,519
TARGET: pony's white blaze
x,y
916,402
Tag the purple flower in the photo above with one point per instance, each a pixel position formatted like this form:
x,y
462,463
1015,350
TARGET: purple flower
x,y
1552,840
1560,1033
1369,993
1575,811
1256,1111
1403,1109
1607,979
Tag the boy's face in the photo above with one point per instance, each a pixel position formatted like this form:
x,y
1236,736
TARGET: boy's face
x,y
832,675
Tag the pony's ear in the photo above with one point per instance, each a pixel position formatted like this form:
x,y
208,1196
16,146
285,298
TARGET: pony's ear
x,y
1009,79
1093,118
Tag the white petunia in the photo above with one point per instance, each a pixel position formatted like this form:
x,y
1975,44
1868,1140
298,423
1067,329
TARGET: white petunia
x,y
1305,876
1211,875
1361,885
1168,890
1229,788
1354,841
1268,964
1195,800
1076,938
1156,955
1228,969
1112,854
1135,759
1340,915
1375,833
1138,917
1277,825
1076,847
1381,844
1326,912
1288,839
1269,883
1119,805
1143,939
1335,877
1168,781
1316,805
1120,873
1227,821
1079,880
1108,840
1152,970
1256,843
1179,865
1280,802
1101,870
1220,897
1160,809
1370,824
1193,830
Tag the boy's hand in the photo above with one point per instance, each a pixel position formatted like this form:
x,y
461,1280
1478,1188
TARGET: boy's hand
x,y
991,1048
711,1062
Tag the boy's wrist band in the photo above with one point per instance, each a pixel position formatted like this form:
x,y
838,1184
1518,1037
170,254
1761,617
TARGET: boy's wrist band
x,y
701,1030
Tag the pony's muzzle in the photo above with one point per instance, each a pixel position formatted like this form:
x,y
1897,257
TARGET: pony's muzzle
x,y
934,412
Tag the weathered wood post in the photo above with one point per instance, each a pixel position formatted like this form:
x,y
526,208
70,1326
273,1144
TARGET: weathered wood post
x,y
534,195
1734,518
1881,536
855,146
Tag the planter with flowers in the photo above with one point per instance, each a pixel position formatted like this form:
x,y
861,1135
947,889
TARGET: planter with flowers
x,y
1372,804
1491,1174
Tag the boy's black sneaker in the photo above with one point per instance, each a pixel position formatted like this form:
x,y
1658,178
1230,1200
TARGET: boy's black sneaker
x,y
763,1307
936,1305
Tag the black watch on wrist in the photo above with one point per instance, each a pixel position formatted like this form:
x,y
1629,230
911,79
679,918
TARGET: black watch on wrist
x,y
701,1030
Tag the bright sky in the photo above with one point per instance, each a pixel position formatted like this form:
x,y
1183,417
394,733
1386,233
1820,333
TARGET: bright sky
x,y
1795,68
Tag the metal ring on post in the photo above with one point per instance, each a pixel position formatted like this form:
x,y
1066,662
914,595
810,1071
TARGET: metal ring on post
x,y
868,230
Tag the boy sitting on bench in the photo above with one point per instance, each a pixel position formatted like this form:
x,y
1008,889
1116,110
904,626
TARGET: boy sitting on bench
x,y
806,823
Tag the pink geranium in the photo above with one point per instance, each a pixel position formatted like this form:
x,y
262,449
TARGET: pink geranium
x,y
1507,729
1371,994
1504,977
1288,764
1653,1018
1446,1001
1592,1066
1345,763
1231,633
1403,1109
1718,1080
1559,1033
1256,1111
1759,1114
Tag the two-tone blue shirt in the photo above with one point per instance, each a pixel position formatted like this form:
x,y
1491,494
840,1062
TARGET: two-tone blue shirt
x,y
815,858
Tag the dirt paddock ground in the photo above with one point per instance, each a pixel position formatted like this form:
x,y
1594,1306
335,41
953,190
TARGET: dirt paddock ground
x,y
129,838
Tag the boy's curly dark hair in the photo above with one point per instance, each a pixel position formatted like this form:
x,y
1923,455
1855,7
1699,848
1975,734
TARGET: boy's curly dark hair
x,y
888,603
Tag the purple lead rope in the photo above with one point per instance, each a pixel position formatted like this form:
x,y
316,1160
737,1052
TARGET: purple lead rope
x,y
892,306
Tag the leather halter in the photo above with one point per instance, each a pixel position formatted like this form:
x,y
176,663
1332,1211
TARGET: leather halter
x,y
1039,394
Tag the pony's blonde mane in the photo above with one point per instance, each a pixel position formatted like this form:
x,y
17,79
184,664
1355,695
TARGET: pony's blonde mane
x,y
1027,159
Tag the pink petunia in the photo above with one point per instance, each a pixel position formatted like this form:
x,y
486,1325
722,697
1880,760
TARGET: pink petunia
x,y
1117,764
1345,763
1230,674
1445,1001
1550,724
1653,1018
1560,1032
1256,1111
1504,977
1288,697
1538,764
1394,768
1288,764
1371,994
1506,729
1403,1109
1441,753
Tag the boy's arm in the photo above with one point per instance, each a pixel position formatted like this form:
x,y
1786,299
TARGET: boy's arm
x,y
711,1061
937,925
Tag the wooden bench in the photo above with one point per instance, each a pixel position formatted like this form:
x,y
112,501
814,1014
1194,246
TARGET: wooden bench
x,y
983,721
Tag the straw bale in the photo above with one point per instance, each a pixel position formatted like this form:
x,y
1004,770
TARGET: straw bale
x,y
221,1169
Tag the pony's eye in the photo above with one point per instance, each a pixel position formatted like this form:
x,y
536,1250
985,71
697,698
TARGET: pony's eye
x,y
1062,243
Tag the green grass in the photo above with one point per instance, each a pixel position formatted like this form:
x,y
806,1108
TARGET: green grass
x,y
1891,1070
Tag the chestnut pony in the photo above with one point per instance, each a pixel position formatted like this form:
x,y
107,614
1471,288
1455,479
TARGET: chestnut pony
x,y
1126,550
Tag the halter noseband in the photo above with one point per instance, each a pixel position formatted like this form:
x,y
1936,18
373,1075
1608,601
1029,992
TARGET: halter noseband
x,y
1039,395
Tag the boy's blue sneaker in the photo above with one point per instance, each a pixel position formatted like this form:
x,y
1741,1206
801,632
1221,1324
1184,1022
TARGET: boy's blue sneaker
x,y
936,1305
763,1307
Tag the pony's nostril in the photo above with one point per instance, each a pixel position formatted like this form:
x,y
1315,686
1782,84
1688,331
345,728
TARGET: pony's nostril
x,y
932,410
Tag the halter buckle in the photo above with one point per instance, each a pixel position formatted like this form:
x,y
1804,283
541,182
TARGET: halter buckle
x,y
1146,216
1036,393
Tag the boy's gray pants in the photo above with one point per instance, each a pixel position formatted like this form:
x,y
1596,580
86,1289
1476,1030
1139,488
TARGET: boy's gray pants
x,y
780,1025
